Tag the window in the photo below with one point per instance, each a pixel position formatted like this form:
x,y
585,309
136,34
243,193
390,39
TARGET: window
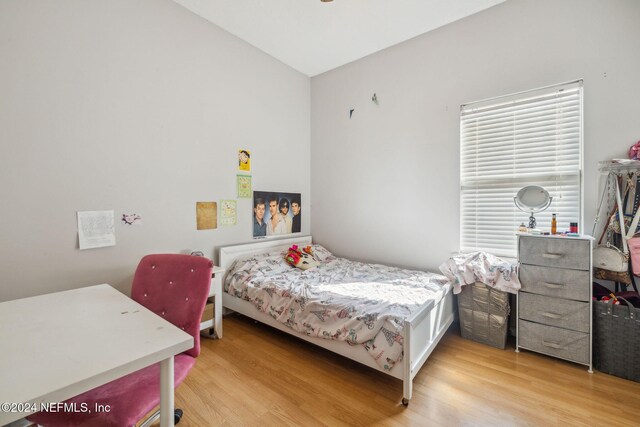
x,y
506,143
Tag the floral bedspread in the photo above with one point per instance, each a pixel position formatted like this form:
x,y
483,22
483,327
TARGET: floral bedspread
x,y
482,267
359,303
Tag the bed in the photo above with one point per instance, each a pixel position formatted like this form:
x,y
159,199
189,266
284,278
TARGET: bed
x,y
420,330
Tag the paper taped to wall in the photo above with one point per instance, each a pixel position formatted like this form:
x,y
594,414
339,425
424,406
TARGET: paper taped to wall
x,y
206,215
96,229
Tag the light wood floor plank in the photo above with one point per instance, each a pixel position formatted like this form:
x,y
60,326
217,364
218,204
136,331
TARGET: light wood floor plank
x,y
258,376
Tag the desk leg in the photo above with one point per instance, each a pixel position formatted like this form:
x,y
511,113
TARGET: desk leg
x,y
217,316
166,392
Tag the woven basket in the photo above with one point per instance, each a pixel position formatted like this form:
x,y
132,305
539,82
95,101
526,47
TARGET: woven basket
x,y
616,339
484,314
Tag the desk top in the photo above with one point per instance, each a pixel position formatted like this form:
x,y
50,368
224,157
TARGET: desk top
x,y
59,345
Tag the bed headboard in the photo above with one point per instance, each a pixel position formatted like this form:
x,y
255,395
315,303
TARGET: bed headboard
x,y
228,254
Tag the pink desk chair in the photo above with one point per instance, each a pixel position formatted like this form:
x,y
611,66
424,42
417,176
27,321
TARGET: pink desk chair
x,y
175,287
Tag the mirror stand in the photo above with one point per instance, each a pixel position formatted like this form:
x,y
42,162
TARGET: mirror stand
x,y
532,199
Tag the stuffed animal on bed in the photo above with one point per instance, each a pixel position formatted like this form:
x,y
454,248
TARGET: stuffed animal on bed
x,y
302,259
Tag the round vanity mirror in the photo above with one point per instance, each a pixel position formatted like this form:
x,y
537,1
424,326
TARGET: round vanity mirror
x,y
532,199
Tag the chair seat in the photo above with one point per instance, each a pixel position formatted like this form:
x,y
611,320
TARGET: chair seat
x,y
118,395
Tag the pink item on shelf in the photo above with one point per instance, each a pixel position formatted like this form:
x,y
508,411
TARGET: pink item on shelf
x,y
634,151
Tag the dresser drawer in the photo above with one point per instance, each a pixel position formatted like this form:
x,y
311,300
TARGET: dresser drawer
x,y
574,315
557,342
555,252
556,282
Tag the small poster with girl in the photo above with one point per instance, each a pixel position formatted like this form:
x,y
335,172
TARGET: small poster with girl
x,y
244,160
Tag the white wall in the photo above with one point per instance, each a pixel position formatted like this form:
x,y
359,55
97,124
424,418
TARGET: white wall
x,y
136,106
386,182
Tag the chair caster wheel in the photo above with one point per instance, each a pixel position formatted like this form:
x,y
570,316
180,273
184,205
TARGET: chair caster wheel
x,y
405,401
177,416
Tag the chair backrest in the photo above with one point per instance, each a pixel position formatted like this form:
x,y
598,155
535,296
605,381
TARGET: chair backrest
x,y
175,287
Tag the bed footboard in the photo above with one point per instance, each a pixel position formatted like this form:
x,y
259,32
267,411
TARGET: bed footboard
x,y
422,332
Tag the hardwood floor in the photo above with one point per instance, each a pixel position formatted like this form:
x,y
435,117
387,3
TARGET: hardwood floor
x,y
258,376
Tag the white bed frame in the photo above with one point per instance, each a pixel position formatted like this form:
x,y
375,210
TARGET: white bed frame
x,y
421,332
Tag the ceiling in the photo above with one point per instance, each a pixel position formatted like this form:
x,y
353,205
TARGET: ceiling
x,y
314,37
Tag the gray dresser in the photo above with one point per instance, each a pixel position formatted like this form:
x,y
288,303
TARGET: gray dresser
x,y
554,304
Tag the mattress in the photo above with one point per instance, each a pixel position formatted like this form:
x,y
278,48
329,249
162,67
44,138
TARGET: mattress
x,y
358,303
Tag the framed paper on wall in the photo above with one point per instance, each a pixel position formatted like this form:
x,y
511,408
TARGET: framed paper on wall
x,y
275,214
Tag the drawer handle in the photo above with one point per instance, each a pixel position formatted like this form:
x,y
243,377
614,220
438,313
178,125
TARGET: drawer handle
x,y
551,344
552,315
552,285
552,255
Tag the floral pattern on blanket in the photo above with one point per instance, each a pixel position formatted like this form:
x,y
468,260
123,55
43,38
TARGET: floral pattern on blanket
x,y
362,304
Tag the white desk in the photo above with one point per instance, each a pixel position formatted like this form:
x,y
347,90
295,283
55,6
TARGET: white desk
x,y
59,345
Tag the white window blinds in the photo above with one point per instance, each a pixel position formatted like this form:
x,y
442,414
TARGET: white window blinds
x,y
506,143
